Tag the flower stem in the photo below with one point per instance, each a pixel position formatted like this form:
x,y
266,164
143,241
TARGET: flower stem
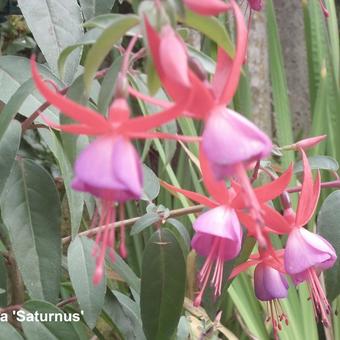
x,y
131,221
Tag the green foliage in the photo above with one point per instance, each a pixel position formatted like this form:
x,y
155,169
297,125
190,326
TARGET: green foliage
x,y
77,39
162,285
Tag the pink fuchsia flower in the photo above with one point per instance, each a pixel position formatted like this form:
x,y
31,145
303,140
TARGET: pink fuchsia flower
x,y
270,284
207,7
218,238
229,139
308,254
218,234
101,169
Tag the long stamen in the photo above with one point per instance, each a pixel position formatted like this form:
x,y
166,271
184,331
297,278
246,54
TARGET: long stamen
x,y
112,236
321,306
276,316
99,272
215,258
122,247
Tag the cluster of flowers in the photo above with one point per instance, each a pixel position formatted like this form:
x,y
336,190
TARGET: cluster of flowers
x,y
230,145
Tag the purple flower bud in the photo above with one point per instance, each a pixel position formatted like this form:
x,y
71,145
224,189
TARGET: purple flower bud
x,y
269,283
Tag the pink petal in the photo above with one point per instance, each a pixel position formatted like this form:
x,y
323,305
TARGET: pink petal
x,y
223,129
305,250
175,84
70,108
109,168
269,283
207,7
224,92
173,58
202,243
217,189
220,221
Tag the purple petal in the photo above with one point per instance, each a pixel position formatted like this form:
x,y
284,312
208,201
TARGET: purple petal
x,y
305,250
228,249
223,129
269,283
109,168
220,221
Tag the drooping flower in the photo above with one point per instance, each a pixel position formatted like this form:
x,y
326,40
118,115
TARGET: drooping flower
x,y
109,167
229,139
208,102
308,254
218,234
218,237
270,284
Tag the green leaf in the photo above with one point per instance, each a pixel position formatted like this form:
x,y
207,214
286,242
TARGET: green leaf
x,y
280,91
104,44
30,209
81,267
104,6
182,231
108,86
123,318
144,222
124,271
318,162
211,27
151,184
88,39
328,227
49,330
91,8
7,331
162,285
54,25
75,199
9,145
15,74
3,283
132,309
102,21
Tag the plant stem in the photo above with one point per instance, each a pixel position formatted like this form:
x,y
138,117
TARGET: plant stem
x,y
131,221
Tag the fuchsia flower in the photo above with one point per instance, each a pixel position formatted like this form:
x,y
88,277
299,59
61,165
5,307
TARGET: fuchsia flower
x,y
109,168
270,284
308,254
218,238
225,127
218,233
